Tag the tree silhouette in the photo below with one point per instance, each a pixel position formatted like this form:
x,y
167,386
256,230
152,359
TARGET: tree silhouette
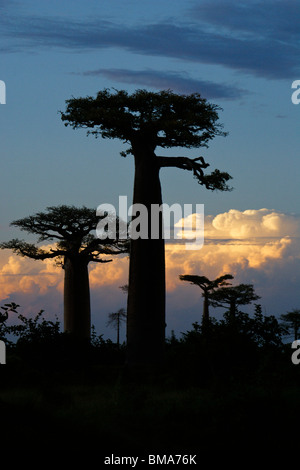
x,y
7,308
147,120
232,297
291,320
115,319
75,247
207,286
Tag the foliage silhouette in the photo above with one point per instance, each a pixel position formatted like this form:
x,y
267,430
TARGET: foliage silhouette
x,y
75,246
221,354
207,286
7,309
232,297
38,343
36,329
147,120
291,321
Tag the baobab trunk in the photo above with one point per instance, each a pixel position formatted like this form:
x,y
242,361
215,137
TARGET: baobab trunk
x,y
77,312
146,290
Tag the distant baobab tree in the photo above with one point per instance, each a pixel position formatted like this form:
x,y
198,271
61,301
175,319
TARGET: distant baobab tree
x,y
147,120
232,297
207,286
115,319
75,246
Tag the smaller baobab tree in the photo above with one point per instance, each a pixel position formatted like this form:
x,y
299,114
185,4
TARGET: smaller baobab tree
x,y
75,246
232,297
207,286
115,319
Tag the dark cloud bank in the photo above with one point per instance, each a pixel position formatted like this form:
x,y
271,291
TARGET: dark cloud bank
x,y
251,37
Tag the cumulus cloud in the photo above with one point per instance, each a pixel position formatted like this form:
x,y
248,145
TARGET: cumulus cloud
x,y
236,225
252,223
19,274
218,258
260,247
109,274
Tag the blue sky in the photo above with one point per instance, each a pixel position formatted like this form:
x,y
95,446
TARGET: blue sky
x,y
242,56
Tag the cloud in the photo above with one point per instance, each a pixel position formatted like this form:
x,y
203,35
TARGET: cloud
x,y
260,247
39,285
109,274
275,19
248,243
253,37
178,82
253,223
19,274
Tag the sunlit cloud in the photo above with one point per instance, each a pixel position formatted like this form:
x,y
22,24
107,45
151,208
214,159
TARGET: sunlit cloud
x,y
260,247
18,274
246,238
252,223
109,274
215,259
255,246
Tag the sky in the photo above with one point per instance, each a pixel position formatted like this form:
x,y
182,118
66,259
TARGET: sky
x,y
242,56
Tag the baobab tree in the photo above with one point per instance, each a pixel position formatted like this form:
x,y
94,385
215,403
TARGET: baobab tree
x,y
147,120
115,319
74,248
232,297
207,286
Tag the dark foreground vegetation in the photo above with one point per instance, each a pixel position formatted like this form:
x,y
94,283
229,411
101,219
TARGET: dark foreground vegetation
x,y
234,387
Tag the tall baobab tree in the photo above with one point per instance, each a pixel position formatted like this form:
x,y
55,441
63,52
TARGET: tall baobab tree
x,y
147,120
75,247
207,286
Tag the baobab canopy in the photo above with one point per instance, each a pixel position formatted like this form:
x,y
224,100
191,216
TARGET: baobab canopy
x,y
149,120
168,119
